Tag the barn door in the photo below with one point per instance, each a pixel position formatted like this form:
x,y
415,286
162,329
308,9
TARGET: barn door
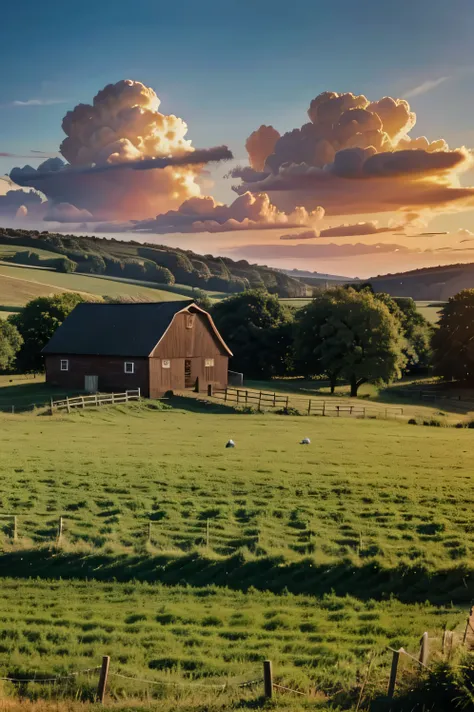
x,y
188,382
91,384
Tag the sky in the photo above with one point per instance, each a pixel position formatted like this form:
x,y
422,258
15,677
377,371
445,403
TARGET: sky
x,y
227,68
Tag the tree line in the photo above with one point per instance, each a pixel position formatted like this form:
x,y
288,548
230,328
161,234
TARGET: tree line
x,y
345,334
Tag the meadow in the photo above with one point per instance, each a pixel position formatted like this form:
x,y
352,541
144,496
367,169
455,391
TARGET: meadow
x,y
190,563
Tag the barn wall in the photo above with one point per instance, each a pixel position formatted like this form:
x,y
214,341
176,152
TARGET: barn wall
x,y
109,369
180,343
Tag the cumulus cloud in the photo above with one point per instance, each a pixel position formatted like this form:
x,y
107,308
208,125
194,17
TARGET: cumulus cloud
x,y
260,145
18,203
122,129
356,156
307,235
65,212
247,212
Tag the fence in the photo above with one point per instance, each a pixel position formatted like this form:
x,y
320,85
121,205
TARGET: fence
x,y
311,406
421,660
95,400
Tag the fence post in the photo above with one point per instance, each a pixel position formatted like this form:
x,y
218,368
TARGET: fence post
x,y
51,406
274,399
260,401
424,650
15,528
309,407
225,394
324,407
238,392
67,405
104,673
468,625
393,673
139,393
113,397
83,403
268,679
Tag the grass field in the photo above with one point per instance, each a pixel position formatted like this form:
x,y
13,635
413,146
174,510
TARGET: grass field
x,y
191,563
19,284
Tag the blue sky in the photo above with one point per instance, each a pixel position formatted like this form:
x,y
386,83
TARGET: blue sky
x,y
227,66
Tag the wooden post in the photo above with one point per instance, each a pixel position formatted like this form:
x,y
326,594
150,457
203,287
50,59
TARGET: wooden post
x,y
149,531
113,397
309,407
274,399
260,401
83,403
468,625
139,393
52,406
208,528
424,650
287,402
60,528
126,396
324,407
225,394
96,400
393,673
268,679
15,528
67,405
246,396
238,392
104,673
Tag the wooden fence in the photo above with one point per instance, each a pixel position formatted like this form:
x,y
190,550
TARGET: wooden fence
x,y
94,400
311,406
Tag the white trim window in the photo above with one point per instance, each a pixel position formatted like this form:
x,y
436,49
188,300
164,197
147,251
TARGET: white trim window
x,y
165,363
129,367
190,321
64,364
209,363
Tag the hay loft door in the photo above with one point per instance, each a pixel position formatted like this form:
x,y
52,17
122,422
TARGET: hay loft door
x,y
91,384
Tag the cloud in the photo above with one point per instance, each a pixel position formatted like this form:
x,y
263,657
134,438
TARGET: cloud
x,y
12,200
425,87
310,251
65,212
247,212
260,145
346,230
111,146
36,102
354,157
463,232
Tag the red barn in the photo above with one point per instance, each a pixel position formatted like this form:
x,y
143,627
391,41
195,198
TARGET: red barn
x,y
152,346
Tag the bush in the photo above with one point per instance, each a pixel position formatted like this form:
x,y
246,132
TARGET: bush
x,y
64,264
413,421
288,411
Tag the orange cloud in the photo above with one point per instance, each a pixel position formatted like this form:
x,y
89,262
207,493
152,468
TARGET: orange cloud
x,y
355,156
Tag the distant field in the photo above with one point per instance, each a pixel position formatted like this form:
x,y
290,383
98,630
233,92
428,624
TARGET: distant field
x,y
19,284
430,310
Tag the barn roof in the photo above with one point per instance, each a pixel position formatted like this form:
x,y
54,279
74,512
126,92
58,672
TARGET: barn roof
x,y
116,329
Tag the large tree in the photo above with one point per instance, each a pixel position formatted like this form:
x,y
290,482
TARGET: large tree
x,y
350,335
417,331
258,330
453,341
10,343
37,322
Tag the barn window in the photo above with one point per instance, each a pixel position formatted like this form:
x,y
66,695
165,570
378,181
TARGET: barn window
x,y
129,367
209,362
64,364
189,321
166,363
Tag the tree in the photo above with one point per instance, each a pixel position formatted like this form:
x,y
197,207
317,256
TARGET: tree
x,y
64,264
352,335
453,341
416,329
10,343
258,330
202,299
36,324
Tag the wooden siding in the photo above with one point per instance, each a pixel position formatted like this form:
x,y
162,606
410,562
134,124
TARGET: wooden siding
x,y
181,343
109,369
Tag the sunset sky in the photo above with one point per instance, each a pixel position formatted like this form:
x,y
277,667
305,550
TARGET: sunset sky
x,y
354,189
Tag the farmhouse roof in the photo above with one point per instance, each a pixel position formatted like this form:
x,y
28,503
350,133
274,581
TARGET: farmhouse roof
x,y
93,329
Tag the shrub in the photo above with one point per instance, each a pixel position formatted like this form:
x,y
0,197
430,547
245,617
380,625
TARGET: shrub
x,y
288,410
413,421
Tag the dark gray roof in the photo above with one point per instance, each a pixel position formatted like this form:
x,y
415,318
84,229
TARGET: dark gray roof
x,y
113,329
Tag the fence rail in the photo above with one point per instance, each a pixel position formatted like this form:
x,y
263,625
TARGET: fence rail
x,y
311,406
94,400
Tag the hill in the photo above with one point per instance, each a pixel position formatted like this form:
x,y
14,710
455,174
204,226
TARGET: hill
x,y
133,260
430,283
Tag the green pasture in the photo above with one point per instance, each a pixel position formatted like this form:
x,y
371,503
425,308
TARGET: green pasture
x,y
363,492
202,637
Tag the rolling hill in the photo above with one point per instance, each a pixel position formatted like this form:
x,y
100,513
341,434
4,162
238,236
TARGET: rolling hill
x,y
427,284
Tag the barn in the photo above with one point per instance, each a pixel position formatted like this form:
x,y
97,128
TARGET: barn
x,y
156,347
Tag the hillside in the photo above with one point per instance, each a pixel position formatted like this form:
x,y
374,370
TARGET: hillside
x,y
132,260
430,283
